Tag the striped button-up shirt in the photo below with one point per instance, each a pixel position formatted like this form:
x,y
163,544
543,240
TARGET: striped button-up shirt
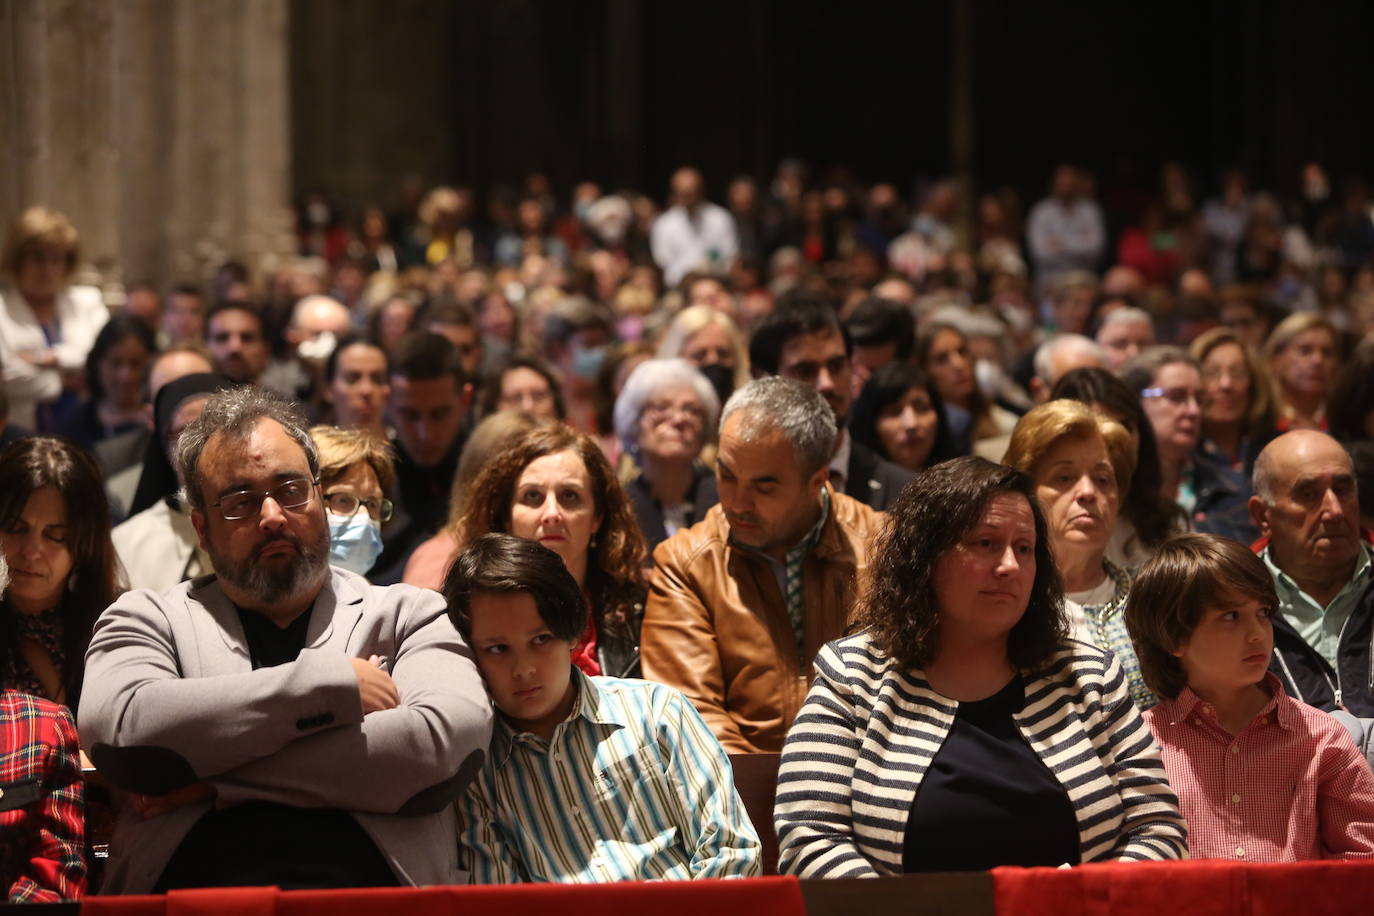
x,y
631,787
1291,786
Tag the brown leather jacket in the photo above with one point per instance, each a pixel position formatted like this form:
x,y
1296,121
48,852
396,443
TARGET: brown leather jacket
x,y
716,625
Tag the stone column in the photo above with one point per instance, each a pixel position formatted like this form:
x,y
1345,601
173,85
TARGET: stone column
x,y
160,127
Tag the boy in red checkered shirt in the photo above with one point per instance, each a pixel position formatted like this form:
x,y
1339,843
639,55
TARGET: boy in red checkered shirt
x,y
1260,776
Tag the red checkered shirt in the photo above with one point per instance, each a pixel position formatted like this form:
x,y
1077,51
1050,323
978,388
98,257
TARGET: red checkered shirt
x,y
1290,786
42,814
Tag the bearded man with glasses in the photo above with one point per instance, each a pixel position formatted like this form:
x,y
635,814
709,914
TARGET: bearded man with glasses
x,y
281,722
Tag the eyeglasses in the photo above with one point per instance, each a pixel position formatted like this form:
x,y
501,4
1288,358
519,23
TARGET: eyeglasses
x,y
347,504
289,494
656,413
1178,397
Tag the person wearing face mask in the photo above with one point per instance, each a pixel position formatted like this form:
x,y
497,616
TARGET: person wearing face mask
x,y
356,473
577,335
710,340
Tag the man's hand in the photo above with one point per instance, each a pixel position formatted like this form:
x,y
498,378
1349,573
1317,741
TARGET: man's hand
x,y
151,806
376,689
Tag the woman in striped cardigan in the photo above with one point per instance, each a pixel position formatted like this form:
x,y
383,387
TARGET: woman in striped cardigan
x,y
960,728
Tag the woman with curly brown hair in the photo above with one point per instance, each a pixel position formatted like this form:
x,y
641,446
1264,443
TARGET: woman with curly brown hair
x,y
55,529
554,485
960,728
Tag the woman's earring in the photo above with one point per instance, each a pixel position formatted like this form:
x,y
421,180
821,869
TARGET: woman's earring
x,y
71,581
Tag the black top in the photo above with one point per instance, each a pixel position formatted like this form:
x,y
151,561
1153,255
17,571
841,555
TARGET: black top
x,y
263,843
649,511
421,509
987,799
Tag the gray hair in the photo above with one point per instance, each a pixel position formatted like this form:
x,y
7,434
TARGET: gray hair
x,y
649,378
1065,344
235,413
1262,478
1139,372
797,410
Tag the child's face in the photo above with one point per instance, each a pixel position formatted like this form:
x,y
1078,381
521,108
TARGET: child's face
x,y
527,669
1230,646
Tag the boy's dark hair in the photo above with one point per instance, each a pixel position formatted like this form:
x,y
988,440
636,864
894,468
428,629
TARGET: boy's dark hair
x,y
420,356
236,305
503,563
1188,575
796,313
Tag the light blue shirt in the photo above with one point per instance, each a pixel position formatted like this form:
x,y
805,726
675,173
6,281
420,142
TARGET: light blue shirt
x,y
1319,626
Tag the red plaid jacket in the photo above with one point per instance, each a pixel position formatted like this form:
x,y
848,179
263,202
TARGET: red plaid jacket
x,y
42,814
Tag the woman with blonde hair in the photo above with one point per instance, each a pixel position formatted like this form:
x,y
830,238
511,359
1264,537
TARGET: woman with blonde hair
x,y
357,470
711,341
1081,464
1237,400
1302,355
47,326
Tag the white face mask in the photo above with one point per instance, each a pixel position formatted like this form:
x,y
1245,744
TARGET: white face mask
x,y
355,541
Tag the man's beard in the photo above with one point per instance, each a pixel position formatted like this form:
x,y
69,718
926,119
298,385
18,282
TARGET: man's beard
x,y
267,585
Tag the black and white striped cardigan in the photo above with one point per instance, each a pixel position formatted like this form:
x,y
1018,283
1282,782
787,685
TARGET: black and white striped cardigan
x,y
856,753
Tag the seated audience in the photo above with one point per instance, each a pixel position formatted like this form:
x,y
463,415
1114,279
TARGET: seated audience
x,y
664,416
47,325
1081,462
356,473
236,339
900,417
803,339
741,602
111,424
1302,356
942,352
1306,508
960,728
158,546
1210,495
42,797
648,784
281,723
1123,333
1352,398
429,403
710,340
1259,776
554,486
523,383
55,531
1147,519
356,385
1237,402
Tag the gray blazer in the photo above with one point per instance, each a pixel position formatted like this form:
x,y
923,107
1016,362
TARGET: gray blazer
x,y
171,698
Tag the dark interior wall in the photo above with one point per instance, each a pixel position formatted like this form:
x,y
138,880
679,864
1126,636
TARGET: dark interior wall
x,y
623,91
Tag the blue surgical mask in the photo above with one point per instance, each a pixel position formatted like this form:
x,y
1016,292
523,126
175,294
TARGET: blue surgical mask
x,y
355,541
586,361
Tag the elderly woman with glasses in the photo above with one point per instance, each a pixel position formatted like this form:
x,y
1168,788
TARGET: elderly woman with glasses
x,y
356,471
1169,382
663,417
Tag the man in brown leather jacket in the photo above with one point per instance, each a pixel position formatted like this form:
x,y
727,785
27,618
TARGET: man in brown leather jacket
x,y
740,603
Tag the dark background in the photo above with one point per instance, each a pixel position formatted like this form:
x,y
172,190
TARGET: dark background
x,y
484,91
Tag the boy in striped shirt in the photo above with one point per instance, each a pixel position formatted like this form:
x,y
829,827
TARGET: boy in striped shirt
x,y
1260,776
587,779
